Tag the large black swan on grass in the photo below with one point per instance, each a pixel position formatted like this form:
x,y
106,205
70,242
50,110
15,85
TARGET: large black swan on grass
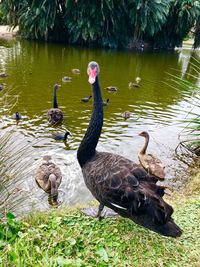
x,y
119,183
55,115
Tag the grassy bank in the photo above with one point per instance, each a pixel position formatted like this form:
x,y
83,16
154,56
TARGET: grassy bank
x,y
69,238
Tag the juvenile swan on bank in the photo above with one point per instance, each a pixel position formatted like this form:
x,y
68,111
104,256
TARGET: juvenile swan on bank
x,y
150,162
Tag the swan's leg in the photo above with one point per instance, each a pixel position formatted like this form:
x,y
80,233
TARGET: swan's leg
x,y
97,212
99,216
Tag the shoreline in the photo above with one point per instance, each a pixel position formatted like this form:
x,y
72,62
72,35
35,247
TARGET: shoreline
x,y
8,33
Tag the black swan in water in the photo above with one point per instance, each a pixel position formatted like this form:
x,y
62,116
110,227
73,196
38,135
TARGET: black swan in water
x,y
119,183
150,162
55,115
48,177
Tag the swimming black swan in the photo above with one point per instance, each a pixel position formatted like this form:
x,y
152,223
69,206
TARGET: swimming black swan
x,y
55,115
150,162
58,136
86,99
48,177
119,183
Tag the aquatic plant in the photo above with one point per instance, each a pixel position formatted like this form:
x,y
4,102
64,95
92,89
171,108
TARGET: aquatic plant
x,y
189,87
14,170
7,101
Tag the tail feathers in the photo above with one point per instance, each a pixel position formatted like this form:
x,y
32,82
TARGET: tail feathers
x,y
159,211
169,229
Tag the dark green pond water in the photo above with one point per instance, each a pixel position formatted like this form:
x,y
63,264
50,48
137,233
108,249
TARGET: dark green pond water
x,y
33,69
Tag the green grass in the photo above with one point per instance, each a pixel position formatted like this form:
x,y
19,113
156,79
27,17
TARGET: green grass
x,y
68,238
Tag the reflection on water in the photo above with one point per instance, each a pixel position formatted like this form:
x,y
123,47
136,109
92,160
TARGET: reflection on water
x,y
34,68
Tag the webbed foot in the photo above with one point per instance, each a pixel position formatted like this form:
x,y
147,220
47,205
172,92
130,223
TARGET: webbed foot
x,y
94,212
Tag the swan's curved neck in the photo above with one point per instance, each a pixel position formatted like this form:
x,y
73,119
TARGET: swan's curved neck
x,y
55,104
143,150
65,136
88,145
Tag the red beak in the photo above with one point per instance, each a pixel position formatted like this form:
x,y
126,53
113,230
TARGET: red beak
x,y
92,75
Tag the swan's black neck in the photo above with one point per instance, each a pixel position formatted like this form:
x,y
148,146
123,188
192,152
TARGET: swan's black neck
x,y
88,145
65,136
55,104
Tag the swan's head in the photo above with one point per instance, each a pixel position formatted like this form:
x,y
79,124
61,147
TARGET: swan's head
x,y
93,71
66,134
56,86
144,134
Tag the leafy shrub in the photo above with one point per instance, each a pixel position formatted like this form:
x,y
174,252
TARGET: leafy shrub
x,y
107,23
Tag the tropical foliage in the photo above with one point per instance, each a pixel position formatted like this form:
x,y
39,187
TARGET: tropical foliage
x,y
107,23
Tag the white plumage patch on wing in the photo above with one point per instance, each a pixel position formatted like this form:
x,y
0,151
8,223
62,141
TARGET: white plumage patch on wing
x,y
117,206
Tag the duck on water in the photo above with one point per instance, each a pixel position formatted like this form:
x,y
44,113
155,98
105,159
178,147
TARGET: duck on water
x,y
119,183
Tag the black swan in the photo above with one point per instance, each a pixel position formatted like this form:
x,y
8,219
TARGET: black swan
x,y
55,115
119,183
150,162
86,99
105,103
17,116
48,177
58,136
